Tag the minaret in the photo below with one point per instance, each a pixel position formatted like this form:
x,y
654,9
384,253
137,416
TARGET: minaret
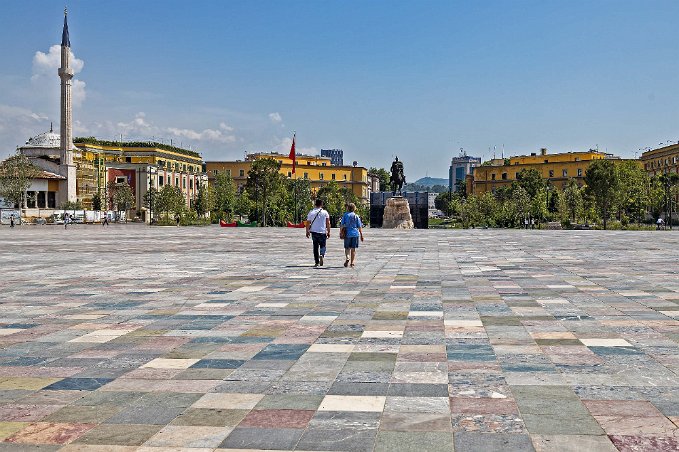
x,y
66,76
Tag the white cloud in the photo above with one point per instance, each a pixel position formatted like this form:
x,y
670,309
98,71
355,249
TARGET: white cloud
x,y
17,124
45,66
136,126
213,135
276,118
48,63
226,127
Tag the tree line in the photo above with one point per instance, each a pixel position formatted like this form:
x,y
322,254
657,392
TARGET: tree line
x,y
612,190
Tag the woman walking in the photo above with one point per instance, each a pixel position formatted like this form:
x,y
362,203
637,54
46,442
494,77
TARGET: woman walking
x,y
352,229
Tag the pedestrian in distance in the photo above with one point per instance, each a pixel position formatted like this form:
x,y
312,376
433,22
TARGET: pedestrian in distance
x,y
105,222
177,218
66,220
11,221
318,228
351,230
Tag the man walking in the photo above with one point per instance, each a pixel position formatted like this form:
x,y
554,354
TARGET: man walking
x,y
318,227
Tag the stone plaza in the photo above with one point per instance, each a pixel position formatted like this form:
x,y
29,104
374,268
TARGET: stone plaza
x,y
136,338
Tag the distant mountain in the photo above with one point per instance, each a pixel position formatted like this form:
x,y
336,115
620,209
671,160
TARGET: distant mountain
x,y
431,181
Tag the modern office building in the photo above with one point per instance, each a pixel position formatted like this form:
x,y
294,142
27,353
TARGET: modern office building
x,y
336,156
459,168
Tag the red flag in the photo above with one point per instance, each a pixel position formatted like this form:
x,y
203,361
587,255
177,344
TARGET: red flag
x,y
292,155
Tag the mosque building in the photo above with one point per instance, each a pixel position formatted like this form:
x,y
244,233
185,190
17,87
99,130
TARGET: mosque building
x,y
73,170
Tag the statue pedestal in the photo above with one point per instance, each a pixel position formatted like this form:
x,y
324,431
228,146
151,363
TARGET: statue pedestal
x,y
397,214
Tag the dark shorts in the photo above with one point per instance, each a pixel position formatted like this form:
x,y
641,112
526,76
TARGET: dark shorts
x,y
350,242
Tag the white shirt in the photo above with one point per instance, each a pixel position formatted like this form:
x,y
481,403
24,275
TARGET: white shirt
x,y
318,225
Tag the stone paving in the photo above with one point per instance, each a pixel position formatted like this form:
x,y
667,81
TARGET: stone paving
x,y
169,339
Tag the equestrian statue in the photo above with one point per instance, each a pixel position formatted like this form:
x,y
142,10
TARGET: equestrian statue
x,y
397,177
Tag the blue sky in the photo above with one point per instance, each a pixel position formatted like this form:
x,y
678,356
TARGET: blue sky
x,y
416,79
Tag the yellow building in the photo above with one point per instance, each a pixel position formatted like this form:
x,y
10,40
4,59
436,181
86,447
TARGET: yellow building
x,y
662,160
556,168
142,165
317,169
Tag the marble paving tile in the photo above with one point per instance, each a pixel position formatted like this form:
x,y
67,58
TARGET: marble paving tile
x,y
352,403
430,343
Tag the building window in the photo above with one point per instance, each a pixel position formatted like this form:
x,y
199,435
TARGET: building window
x,y
306,175
183,182
579,172
121,179
289,173
228,172
320,176
184,166
51,199
333,176
504,176
41,199
551,173
160,181
215,172
564,173
345,177
128,159
308,163
241,173
176,182
492,176
191,184
546,161
323,164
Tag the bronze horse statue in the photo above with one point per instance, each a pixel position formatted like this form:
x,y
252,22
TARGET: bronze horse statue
x,y
397,178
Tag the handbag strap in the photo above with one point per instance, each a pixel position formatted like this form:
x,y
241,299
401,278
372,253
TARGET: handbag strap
x,y
312,221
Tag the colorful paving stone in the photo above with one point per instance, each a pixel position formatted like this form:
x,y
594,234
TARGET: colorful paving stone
x,y
199,339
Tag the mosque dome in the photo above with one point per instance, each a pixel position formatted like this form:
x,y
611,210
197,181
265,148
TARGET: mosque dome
x,y
44,140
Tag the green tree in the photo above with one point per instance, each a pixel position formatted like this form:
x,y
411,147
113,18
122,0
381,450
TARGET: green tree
x,y
572,200
521,203
631,196
16,176
204,201
531,180
538,208
170,200
96,201
461,188
602,182
656,197
224,196
441,201
122,197
243,204
300,199
669,181
264,185
333,201
71,205
384,176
